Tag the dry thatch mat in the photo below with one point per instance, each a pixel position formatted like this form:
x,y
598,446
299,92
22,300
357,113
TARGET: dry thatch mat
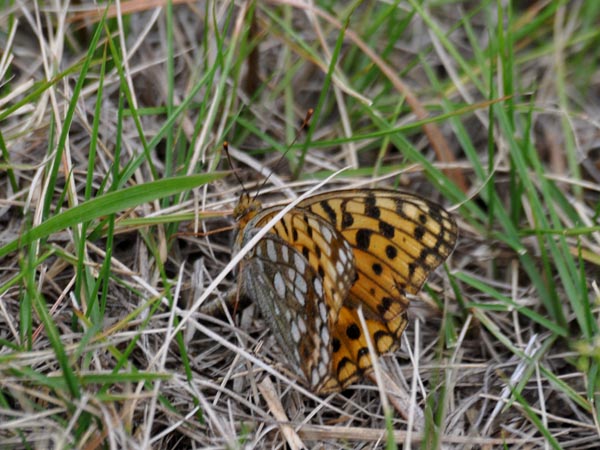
x,y
117,232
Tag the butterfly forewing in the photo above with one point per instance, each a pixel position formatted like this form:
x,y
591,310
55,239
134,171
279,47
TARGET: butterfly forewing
x,y
343,251
406,236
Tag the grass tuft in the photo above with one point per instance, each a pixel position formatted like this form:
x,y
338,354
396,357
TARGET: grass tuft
x,y
115,216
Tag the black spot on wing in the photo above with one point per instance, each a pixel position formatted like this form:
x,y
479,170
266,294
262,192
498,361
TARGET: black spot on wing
x,y
411,269
329,211
335,345
371,208
347,220
386,229
419,232
353,332
384,305
363,238
318,251
391,252
377,269
285,227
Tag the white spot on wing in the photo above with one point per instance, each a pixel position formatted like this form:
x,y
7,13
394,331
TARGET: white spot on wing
x,y
342,256
324,355
291,273
295,332
326,232
318,287
314,379
325,336
301,325
271,251
322,369
279,285
301,283
323,311
299,297
299,263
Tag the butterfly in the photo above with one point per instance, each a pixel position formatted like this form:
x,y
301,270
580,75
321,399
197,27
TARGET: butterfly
x,y
330,255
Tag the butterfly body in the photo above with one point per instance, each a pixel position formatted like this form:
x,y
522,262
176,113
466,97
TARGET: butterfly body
x,y
331,255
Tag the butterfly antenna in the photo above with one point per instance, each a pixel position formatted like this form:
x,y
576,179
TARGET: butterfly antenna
x,y
233,169
303,126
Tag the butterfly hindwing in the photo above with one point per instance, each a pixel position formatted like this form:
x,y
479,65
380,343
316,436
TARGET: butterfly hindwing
x,y
321,245
287,296
299,276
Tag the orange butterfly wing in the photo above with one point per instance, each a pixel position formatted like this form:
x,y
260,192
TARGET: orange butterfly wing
x,y
369,249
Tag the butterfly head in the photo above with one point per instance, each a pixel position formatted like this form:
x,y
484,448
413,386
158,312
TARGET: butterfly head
x,y
246,208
